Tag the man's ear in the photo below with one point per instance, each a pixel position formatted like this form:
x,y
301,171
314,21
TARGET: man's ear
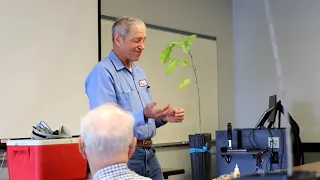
x,y
117,39
81,148
132,147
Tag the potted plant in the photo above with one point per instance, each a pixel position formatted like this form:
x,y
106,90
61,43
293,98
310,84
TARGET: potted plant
x,y
199,143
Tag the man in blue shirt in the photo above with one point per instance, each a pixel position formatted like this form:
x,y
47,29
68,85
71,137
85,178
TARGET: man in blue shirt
x,y
118,79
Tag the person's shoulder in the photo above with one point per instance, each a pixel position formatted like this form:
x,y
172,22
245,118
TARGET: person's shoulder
x,y
104,63
101,69
136,176
145,178
102,66
139,177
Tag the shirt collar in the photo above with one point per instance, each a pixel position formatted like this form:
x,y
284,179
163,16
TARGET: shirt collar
x,y
117,62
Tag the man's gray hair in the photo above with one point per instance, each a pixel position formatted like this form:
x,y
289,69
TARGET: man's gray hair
x,y
107,131
123,26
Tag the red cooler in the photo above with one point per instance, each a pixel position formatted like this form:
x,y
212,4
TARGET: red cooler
x,y
52,159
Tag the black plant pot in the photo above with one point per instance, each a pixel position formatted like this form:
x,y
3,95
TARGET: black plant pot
x,y
200,161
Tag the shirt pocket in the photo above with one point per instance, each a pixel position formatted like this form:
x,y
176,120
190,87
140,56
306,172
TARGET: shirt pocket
x,y
146,95
124,100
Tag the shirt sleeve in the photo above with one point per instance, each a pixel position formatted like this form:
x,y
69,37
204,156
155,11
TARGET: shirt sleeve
x,y
100,90
160,123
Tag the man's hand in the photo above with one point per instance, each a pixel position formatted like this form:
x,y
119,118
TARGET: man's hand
x,y
176,116
150,111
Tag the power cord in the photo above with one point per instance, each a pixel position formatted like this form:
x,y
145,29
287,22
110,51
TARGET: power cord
x,y
272,151
270,156
256,148
268,163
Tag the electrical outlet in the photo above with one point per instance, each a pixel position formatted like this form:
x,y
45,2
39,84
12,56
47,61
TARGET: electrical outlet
x,y
273,142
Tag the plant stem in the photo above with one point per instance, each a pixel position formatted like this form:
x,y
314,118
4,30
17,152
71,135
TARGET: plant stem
x,y
199,102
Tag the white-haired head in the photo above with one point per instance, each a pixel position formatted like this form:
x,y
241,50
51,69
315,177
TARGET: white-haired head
x,y
107,132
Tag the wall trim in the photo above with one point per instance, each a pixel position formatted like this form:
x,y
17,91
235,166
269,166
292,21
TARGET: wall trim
x,y
186,33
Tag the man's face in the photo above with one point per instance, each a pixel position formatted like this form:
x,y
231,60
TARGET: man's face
x,y
133,45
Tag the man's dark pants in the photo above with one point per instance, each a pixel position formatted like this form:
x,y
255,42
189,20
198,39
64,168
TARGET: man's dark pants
x,y
145,163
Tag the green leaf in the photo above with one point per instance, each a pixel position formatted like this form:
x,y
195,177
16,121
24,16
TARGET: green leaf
x,y
187,44
185,63
166,54
179,43
175,43
171,67
192,37
185,83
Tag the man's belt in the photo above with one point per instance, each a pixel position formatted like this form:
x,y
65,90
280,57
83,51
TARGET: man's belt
x,y
144,143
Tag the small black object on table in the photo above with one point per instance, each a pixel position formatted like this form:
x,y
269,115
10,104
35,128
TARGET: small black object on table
x,y
170,172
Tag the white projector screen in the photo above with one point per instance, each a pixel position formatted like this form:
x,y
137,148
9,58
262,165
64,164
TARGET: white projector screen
x,y
47,49
165,88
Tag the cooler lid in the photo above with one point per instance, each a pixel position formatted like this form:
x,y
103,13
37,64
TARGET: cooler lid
x,y
34,142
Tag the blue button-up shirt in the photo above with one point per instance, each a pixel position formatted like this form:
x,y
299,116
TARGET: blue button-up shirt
x,y
111,82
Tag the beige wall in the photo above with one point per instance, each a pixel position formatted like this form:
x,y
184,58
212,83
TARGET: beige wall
x,y
209,17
